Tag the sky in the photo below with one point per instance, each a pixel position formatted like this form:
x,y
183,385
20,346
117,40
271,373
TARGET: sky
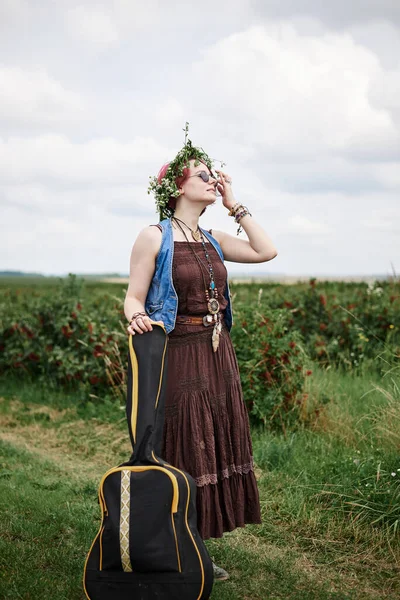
x,y
300,99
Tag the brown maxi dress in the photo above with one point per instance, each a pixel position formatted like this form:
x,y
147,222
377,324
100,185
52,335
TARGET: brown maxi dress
x,y
206,430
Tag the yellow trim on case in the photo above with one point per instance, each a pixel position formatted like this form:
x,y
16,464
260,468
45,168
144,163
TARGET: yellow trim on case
x,y
161,373
140,470
135,386
176,544
99,533
135,379
101,549
190,533
187,524
173,526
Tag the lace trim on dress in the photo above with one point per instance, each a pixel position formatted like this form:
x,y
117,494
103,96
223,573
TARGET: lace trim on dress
x,y
212,478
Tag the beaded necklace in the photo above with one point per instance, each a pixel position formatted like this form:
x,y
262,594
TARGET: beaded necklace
x,y
211,291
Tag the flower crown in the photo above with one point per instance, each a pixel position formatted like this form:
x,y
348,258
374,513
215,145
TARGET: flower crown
x,y
166,188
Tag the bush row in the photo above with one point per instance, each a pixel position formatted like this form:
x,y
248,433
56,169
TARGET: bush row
x,y
79,341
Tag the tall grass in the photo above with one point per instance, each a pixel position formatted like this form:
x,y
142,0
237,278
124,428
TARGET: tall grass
x,y
338,477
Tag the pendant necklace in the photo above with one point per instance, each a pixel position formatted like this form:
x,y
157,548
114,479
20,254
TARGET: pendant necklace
x,y
196,235
211,292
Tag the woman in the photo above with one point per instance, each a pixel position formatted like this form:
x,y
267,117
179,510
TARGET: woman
x,y
178,277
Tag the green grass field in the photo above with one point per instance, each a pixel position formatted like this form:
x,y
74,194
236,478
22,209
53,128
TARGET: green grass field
x,y
330,501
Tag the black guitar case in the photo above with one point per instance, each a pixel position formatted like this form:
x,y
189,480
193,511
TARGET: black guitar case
x,y
148,546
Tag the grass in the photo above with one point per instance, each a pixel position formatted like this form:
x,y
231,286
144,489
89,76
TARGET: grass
x,y
320,538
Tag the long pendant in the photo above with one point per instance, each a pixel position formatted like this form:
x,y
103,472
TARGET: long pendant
x,y
215,335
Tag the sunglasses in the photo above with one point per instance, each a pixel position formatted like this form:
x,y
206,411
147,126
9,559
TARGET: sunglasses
x,y
205,176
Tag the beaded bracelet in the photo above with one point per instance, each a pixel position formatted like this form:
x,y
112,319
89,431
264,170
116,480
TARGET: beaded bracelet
x,y
239,216
242,213
234,209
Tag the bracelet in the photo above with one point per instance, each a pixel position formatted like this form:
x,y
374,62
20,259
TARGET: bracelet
x,y
242,213
239,216
234,208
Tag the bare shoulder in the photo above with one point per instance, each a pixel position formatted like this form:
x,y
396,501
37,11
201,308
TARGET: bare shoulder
x,y
147,245
149,240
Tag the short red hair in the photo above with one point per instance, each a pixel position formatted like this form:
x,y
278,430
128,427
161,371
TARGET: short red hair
x,y
178,180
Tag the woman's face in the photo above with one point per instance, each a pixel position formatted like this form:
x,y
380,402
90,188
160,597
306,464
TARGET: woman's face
x,y
195,188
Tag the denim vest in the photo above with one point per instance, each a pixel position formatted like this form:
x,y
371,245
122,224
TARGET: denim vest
x,y
162,301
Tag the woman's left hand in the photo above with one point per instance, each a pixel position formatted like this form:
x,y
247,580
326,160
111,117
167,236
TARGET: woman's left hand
x,y
224,187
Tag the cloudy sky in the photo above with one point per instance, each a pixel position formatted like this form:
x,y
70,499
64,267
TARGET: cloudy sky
x,y
301,99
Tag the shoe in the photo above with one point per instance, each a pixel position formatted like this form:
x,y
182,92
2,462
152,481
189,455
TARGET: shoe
x,y
219,573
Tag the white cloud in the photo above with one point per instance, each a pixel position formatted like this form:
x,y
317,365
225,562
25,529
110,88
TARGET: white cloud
x,y
304,226
293,94
384,91
13,12
389,175
170,113
339,14
307,120
104,25
93,25
383,220
54,159
33,98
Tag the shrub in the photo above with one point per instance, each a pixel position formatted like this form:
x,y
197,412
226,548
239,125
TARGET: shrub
x,y
273,365
58,338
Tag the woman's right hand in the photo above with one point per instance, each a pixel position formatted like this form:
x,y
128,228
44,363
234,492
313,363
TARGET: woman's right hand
x,y
142,324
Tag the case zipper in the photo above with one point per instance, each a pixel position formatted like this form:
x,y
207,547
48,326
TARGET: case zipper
x,y
187,524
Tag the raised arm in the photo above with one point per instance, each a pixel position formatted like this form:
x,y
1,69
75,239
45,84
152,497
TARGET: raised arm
x,y
142,266
256,249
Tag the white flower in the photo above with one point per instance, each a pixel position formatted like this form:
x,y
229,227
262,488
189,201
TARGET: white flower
x,y
393,474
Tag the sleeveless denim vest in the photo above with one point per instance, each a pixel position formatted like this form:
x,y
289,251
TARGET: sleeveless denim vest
x,y
162,301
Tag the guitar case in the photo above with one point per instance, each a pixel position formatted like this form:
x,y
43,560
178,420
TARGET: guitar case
x,y
148,546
